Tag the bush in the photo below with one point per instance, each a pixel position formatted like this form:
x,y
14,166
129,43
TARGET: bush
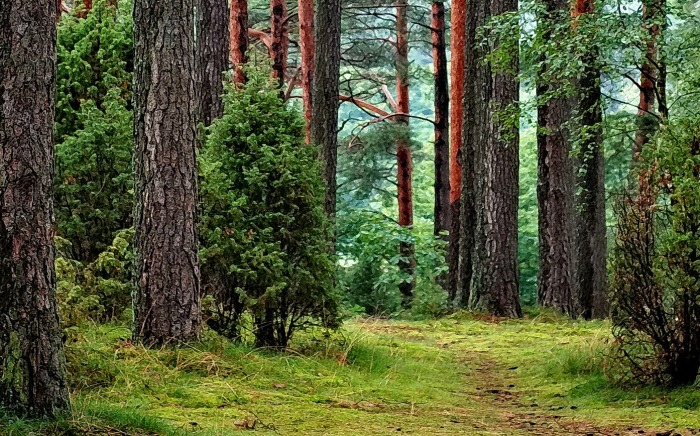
x,y
371,273
98,291
93,130
264,234
656,264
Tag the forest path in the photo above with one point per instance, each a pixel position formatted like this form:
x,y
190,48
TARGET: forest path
x,y
460,375
501,400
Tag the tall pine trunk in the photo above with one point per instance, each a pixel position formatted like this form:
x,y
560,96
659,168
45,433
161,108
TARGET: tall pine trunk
x,y
442,110
458,286
555,185
306,42
238,31
167,300
403,152
324,120
490,150
279,47
32,363
591,241
212,56
652,82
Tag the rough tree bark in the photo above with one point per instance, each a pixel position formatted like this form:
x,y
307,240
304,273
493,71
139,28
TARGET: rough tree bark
x,y
167,300
652,83
555,185
591,241
239,39
403,152
442,111
32,363
306,43
212,57
458,290
490,150
279,47
324,121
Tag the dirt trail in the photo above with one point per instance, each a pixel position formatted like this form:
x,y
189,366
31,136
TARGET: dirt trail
x,y
496,389
502,407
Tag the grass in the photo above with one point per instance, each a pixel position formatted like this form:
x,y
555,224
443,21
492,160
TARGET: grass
x,y
464,374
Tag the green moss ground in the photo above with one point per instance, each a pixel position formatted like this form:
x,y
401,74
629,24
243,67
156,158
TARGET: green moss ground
x,y
463,375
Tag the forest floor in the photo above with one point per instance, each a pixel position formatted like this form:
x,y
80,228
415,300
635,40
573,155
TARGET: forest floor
x,y
462,375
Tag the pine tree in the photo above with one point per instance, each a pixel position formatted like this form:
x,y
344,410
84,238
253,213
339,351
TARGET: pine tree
x,y
591,241
403,150
555,186
324,121
238,25
458,286
490,170
306,43
167,301
442,108
32,363
212,56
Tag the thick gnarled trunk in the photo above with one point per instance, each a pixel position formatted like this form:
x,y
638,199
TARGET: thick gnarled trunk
x,y
212,57
32,363
167,300
324,121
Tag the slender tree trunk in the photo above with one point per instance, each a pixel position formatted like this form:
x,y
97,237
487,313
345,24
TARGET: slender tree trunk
x,y
279,47
494,142
555,186
32,363
212,56
167,300
306,42
652,84
86,7
458,289
591,242
403,151
239,40
324,122
442,111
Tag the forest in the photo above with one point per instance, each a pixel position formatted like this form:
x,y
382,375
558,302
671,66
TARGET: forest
x,y
349,217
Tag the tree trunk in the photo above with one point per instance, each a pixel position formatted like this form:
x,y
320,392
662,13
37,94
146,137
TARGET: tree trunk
x,y
591,242
458,289
555,186
238,25
653,78
403,152
32,363
279,47
324,122
494,143
86,7
306,42
167,300
212,57
442,110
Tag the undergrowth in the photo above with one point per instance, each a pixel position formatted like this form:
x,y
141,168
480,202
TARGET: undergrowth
x,y
373,377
